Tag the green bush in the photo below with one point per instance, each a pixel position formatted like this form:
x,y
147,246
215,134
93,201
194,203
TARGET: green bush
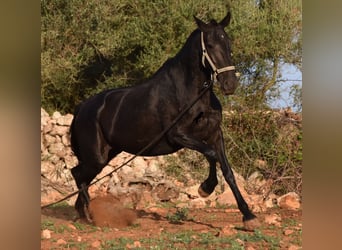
x,y
270,137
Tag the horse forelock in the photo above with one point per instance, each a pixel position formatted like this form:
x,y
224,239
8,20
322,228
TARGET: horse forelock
x,y
213,22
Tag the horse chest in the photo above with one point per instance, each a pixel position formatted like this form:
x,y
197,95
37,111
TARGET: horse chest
x,y
206,121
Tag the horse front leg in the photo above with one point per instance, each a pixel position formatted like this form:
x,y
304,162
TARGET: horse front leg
x,y
249,219
187,141
208,186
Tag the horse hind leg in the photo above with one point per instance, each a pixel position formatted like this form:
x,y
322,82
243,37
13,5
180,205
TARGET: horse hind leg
x,y
83,176
84,173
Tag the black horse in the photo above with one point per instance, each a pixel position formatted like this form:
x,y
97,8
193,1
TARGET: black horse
x,y
127,119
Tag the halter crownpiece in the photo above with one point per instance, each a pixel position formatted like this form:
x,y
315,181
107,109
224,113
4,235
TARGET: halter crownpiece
x,y
215,70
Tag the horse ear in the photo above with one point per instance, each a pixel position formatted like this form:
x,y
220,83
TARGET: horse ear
x,y
201,25
225,21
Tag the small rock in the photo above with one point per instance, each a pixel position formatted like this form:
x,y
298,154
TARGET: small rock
x,y
46,234
231,210
212,204
294,247
146,199
288,232
256,202
271,201
260,164
182,205
70,161
46,167
71,226
57,149
64,120
126,171
178,183
96,244
48,127
165,191
273,219
51,196
54,159
192,191
61,242
153,164
48,139
226,198
66,140
156,210
241,242
256,179
289,201
197,203
136,244
139,161
56,115
228,231
59,130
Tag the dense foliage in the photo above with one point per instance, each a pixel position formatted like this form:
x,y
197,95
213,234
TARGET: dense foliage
x,y
89,45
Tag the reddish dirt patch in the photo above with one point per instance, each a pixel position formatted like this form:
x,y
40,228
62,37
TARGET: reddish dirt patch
x,y
107,211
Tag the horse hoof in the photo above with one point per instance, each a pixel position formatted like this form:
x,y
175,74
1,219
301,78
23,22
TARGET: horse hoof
x,y
251,225
202,193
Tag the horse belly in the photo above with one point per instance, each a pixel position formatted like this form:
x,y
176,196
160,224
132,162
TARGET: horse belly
x,y
133,133
134,145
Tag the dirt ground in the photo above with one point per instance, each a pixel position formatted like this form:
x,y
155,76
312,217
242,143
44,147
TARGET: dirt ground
x,y
163,226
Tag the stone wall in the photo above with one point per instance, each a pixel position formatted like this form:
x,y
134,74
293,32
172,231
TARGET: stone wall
x,y
56,155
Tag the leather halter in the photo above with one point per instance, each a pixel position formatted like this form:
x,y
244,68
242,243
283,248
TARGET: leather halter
x,y
215,70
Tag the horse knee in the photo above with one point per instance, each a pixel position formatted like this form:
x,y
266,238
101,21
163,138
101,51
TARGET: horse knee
x,y
210,155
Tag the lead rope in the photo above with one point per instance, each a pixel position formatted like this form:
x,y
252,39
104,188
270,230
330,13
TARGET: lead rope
x,y
206,86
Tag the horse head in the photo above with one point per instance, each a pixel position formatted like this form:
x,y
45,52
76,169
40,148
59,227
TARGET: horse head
x,y
216,53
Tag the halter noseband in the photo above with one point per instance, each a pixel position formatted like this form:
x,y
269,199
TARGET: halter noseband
x,y
215,70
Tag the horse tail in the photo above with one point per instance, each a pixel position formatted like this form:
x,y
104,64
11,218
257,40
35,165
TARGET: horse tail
x,y
73,140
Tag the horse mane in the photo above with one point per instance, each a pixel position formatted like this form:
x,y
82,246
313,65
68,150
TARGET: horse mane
x,y
184,50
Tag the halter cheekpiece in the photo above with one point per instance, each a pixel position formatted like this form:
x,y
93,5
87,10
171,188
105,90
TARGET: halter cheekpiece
x,y
215,70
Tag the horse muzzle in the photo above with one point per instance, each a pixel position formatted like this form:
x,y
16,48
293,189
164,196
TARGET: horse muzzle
x,y
228,82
